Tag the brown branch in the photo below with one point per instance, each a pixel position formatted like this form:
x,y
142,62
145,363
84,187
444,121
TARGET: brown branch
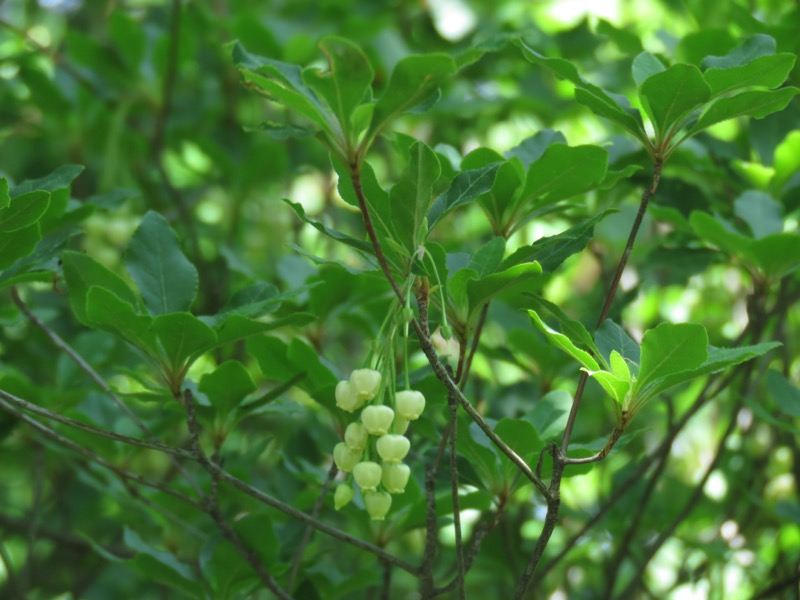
x,y
460,571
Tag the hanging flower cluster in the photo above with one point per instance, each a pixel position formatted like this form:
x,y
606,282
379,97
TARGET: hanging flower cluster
x,y
386,427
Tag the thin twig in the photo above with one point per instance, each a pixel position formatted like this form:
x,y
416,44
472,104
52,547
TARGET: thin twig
x,y
460,571
428,554
34,517
59,343
301,547
211,505
386,585
612,291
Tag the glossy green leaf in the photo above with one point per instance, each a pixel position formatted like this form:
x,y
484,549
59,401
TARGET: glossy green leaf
x,y
616,387
756,103
227,385
672,94
281,361
82,272
412,82
620,366
480,291
167,280
765,71
488,257
531,149
18,244
466,187
564,343
412,195
481,456
23,211
611,338
564,171
105,310
718,359
670,349
644,66
181,336
574,330
347,81
599,101
551,251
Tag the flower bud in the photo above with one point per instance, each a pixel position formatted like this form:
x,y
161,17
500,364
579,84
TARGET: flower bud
x,y
377,419
393,448
409,404
378,504
342,496
367,475
345,457
355,436
395,477
346,397
366,383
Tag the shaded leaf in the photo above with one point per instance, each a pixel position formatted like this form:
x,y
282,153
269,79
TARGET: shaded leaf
x,y
671,349
672,94
765,71
167,280
410,198
466,187
181,336
564,343
756,103
23,211
227,385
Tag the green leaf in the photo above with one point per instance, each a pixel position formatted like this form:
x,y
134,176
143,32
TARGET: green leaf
x,y
488,257
411,196
784,393
619,366
105,310
551,251
762,213
482,459
283,82
718,359
564,343
574,330
756,103
227,385
713,231
564,171
670,349
81,273
746,52
18,244
645,65
776,255
23,211
671,95
59,179
765,71
161,566
524,439
531,149
787,161
599,101
359,245
611,338
281,361
236,327
480,291
412,82
5,199
616,387
181,336
466,187
166,278
346,83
